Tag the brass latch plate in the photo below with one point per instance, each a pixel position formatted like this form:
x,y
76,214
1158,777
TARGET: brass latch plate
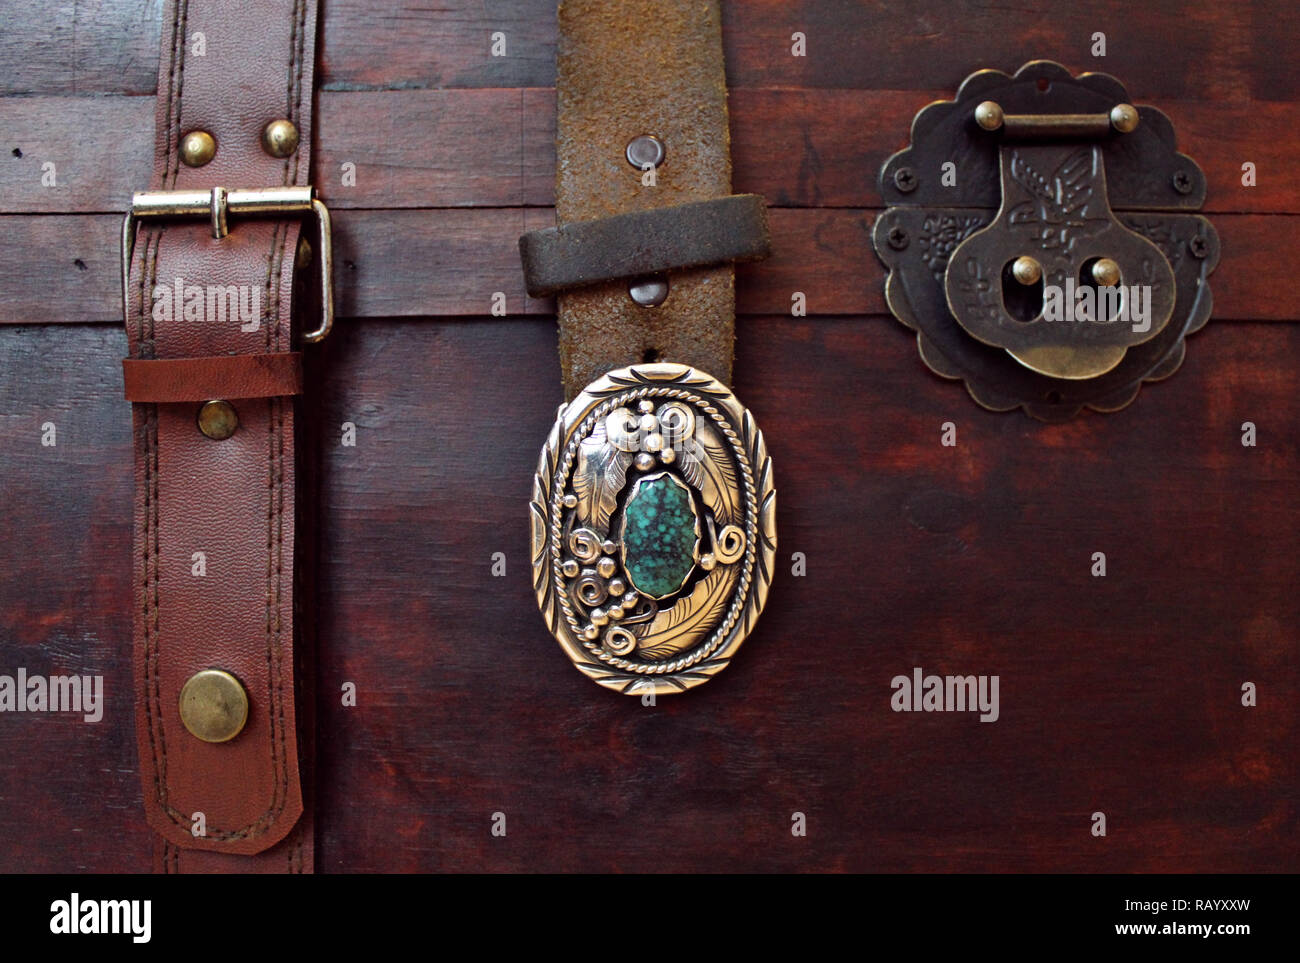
x,y
1041,240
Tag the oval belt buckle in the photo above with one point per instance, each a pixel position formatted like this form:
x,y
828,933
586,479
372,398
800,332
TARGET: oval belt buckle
x,y
653,528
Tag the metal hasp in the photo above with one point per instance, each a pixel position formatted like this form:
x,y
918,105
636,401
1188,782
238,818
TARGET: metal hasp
x,y
1040,238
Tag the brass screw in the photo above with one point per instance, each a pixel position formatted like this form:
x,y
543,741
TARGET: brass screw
x,y
197,148
218,420
1124,118
1026,270
280,138
1105,272
213,706
989,115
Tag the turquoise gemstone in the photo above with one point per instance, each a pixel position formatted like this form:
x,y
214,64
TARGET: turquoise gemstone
x,y
661,534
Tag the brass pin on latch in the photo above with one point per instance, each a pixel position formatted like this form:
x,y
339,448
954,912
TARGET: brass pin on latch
x,y
217,204
1123,119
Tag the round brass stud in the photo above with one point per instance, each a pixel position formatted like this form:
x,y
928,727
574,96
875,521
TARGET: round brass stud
x,y
214,706
989,115
197,148
280,138
1105,272
1124,118
1026,270
218,420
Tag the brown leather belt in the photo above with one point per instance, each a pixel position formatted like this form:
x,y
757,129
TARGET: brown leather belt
x,y
222,704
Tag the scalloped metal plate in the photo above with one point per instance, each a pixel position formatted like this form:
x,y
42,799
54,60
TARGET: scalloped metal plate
x,y
1154,191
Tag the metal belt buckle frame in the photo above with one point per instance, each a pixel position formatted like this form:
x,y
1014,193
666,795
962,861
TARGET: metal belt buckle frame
x,y
217,204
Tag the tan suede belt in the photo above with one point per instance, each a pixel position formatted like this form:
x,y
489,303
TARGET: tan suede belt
x,y
654,507
643,187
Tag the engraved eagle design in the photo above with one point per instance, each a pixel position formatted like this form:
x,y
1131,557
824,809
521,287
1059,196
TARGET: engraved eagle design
x,y
1057,213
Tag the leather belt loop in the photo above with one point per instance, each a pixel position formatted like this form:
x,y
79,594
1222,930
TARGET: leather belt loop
x,y
645,242
638,78
222,712
201,379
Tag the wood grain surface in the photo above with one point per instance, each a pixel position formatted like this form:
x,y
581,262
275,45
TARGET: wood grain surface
x,y
1119,694
449,262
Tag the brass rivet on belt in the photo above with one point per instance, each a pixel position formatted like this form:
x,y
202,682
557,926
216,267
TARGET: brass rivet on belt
x,y
645,150
214,706
1026,270
197,148
989,115
280,138
1105,272
1124,118
648,292
218,420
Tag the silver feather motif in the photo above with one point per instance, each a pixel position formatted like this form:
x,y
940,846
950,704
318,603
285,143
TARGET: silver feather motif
x,y
686,624
598,478
706,465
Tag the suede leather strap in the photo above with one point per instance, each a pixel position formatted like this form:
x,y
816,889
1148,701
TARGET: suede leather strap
x,y
227,67
627,68
648,242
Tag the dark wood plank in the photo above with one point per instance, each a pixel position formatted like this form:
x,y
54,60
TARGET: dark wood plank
x,y
101,149
449,262
1204,51
1118,694
494,148
67,786
108,47
1234,52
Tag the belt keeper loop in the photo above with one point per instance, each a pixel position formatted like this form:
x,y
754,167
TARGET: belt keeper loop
x,y
171,380
638,243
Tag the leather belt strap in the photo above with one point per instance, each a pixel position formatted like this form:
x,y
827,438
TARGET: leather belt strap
x,y
629,68
214,556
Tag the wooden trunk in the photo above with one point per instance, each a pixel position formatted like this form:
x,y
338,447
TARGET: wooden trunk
x,y
1120,694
